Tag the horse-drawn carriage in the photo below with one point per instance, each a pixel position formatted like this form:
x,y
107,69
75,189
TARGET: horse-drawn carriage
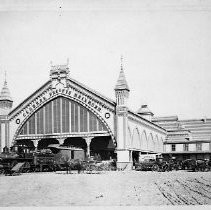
x,y
159,164
196,165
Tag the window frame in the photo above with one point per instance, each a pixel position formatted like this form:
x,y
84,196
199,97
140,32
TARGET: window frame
x,y
186,147
173,146
199,146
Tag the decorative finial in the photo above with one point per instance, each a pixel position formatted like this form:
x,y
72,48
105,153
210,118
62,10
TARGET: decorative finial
x,y
51,63
68,61
121,62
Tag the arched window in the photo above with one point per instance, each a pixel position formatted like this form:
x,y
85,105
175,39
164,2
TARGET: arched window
x,y
62,115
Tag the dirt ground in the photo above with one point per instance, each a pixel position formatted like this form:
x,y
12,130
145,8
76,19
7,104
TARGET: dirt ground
x,y
132,188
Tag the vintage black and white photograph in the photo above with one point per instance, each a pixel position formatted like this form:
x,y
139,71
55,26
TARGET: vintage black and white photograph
x,y
105,103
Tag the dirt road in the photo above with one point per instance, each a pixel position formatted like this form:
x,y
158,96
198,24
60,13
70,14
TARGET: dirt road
x,y
105,189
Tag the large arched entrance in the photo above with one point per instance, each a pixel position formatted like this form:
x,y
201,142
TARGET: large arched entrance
x,y
68,123
103,148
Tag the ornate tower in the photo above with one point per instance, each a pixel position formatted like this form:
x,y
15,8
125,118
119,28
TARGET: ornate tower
x,y
5,99
121,89
5,107
122,94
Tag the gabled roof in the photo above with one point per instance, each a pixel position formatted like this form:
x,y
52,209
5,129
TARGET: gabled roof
x,y
92,91
29,97
48,83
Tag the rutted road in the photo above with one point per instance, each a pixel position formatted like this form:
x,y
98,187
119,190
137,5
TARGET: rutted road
x,y
107,188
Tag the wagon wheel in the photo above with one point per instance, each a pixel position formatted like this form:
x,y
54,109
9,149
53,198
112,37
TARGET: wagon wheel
x,y
26,168
37,169
139,168
93,168
100,168
176,167
88,168
32,169
155,167
165,168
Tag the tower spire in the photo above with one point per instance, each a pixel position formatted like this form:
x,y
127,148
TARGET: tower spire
x,y
121,60
5,93
121,82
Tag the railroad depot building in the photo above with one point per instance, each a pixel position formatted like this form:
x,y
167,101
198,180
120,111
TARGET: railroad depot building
x,y
65,112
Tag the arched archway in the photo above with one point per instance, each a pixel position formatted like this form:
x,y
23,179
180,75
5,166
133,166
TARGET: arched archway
x,y
62,114
160,145
129,138
44,143
102,147
75,142
136,142
150,142
144,141
156,143
62,117
25,142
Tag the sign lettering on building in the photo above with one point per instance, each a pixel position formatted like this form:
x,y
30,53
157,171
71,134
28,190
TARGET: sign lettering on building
x,y
63,91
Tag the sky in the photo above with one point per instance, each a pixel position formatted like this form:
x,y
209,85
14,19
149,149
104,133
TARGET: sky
x,y
166,49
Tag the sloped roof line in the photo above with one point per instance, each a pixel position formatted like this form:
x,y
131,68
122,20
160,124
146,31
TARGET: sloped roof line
x,y
92,91
26,99
72,80
139,116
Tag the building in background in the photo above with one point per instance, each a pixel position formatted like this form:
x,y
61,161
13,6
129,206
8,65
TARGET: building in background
x,y
186,138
